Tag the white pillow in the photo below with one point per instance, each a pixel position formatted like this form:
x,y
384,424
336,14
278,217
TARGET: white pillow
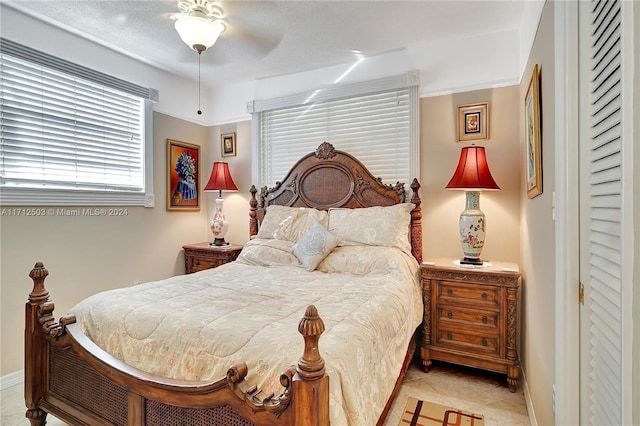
x,y
361,260
375,226
314,246
290,223
269,252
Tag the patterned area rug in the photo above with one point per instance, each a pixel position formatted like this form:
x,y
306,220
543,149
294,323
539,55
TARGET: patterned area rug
x,y
424,413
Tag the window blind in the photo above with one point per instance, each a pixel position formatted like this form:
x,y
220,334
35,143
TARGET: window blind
x,y
69,131
377,127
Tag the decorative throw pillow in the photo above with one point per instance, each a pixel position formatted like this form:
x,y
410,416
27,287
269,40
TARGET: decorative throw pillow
x,y
314,246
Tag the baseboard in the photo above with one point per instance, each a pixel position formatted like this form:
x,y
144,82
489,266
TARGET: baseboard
x,y
11,379
527,399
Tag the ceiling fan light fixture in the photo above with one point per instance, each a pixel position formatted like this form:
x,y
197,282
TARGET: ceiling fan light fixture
x,y
197,32
199,26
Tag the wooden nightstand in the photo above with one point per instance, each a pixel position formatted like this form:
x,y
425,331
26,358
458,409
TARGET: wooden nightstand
x,y
201,256
471,316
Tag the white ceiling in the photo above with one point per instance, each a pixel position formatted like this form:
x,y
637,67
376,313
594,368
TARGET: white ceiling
x,y
272,38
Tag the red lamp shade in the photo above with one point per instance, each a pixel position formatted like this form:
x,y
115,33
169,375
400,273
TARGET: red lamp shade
x,y
220,179
472,172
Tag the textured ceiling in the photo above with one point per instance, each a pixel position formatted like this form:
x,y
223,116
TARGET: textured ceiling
x,y
270,38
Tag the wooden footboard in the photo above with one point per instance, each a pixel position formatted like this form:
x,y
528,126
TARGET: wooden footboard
x,y
70,377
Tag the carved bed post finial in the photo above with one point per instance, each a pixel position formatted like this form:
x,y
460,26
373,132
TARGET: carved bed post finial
x,y
39,294
415,196
311,365
311,384
253,208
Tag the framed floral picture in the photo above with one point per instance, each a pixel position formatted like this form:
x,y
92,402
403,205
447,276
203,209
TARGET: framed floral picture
x,y
228,141
473,122
183,173
533,140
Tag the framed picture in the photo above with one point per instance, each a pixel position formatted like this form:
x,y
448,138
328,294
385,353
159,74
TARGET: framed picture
x,y
473,122
532,134
183,176
228,141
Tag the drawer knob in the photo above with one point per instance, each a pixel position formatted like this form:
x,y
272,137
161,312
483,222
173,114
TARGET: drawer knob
x,y
484,295
449,315
484,342
449,336
484,320
449,292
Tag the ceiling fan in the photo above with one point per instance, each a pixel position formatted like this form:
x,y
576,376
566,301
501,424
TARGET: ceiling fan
x,y
200,23
240,30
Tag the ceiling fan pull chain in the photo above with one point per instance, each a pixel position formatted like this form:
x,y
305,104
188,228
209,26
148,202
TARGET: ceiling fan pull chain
x,y
199,111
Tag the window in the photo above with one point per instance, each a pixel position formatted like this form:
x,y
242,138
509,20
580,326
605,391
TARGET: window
x,y
70,135
375,121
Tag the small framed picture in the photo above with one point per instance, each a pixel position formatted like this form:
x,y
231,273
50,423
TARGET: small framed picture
x,y
228,141
183,175
473,122
533,139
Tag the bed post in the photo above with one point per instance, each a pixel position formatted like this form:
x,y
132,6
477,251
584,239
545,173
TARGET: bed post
x,y
311,384
253,208
35,349
416,222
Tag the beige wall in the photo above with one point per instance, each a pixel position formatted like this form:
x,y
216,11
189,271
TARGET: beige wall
x,y
440,152
537,234
85,255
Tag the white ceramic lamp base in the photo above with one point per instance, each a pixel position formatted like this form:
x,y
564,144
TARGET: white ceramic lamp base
x,y
472,229
219,224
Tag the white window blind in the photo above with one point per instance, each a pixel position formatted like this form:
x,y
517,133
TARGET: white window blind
x,y
376,126
69,133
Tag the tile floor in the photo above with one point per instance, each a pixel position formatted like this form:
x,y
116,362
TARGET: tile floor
x,y
466,389
477,391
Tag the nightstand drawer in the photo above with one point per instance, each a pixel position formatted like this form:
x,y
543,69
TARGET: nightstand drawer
x,y
477,343
472,317
475,295
200,263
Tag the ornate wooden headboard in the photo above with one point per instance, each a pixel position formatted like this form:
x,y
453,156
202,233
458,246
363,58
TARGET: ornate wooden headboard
x,y
330,178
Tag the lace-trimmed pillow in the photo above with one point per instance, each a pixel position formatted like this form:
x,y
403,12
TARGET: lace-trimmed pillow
x,y
290,223
269,252
314,246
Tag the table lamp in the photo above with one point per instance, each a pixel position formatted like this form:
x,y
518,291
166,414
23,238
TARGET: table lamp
x,y
220,180
473,176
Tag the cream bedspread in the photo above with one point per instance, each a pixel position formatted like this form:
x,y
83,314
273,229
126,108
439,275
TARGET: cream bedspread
x,y
194,327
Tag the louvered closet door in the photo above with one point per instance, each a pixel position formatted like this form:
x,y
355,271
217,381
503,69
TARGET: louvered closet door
x,y
601,202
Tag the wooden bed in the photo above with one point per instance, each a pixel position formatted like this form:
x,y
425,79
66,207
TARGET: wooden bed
x,y
69,376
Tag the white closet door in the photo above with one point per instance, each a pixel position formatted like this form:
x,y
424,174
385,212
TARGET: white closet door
x,y
602,210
